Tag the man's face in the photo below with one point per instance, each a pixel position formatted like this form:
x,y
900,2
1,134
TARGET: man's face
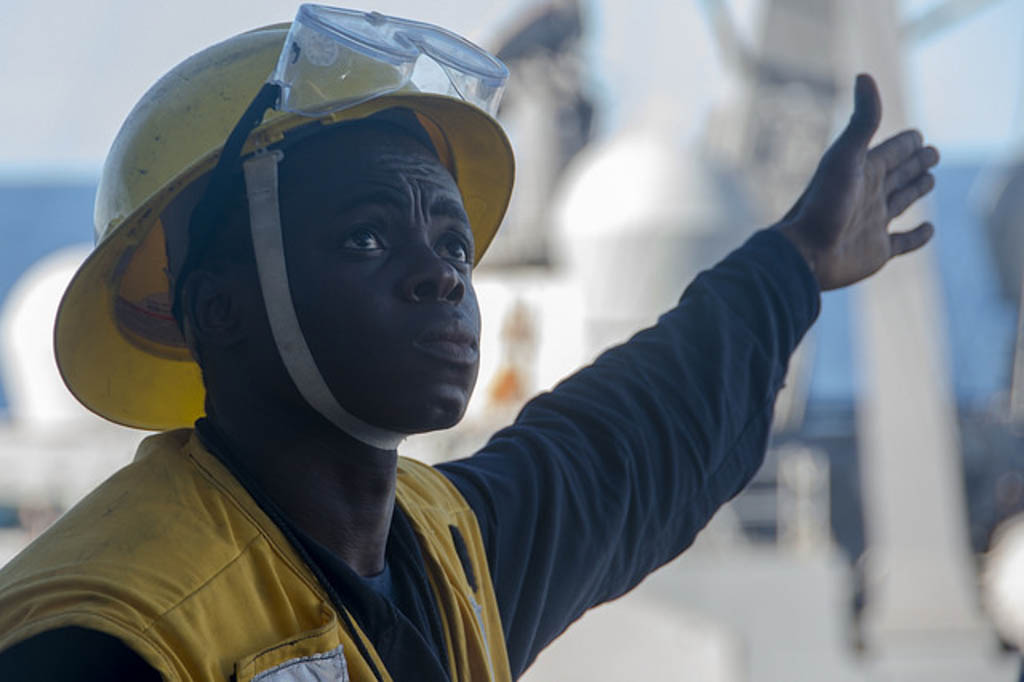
x,y
380,257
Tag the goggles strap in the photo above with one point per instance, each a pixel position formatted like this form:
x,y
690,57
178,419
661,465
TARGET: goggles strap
x,y
268,246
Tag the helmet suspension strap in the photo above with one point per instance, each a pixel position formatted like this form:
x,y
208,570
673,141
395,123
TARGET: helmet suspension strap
x,y
268,245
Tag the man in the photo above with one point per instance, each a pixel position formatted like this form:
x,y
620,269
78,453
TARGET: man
x,y
320,276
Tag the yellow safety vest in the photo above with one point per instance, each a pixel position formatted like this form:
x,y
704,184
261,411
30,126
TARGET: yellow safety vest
x,y
172,556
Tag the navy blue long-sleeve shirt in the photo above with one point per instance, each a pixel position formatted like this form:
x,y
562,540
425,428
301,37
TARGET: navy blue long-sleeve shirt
x,y
613,473
598,482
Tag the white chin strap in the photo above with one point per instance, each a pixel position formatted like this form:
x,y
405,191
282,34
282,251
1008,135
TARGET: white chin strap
x,y
268,245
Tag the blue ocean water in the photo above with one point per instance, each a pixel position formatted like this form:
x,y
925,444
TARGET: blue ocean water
x,y
38,218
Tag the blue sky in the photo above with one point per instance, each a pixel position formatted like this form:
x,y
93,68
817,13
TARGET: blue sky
x,y
965,83
72,70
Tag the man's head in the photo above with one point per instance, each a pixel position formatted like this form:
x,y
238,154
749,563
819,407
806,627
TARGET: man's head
x,y
379,254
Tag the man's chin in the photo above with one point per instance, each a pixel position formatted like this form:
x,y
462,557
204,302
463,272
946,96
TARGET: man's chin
x,y
410,408
436,413
438,420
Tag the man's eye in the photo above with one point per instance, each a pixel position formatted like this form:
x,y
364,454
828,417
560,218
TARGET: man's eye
x,y
454,248
363,239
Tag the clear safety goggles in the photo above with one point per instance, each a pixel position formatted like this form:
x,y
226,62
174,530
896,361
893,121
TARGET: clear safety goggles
x,y
326,49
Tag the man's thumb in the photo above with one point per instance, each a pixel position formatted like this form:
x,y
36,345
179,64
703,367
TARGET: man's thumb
x,y
867,112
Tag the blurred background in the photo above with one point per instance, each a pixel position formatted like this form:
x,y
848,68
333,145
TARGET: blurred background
x,y
884,537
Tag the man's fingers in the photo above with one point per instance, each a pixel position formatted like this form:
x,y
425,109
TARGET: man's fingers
x,y
905,242
908,171
903,198
867,113
897,149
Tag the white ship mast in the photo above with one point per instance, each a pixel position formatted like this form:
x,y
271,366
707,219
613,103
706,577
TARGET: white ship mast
x,y
921,619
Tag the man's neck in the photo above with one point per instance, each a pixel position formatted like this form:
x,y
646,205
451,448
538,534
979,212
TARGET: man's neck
x,y
337,490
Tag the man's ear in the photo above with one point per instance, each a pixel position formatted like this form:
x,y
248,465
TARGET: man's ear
x,y
213,312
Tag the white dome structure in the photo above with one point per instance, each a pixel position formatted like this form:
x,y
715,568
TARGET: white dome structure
x,y
52,450
638,217
1002,580
36,394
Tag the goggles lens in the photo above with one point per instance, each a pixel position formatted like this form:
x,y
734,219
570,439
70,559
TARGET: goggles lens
x,y
336,58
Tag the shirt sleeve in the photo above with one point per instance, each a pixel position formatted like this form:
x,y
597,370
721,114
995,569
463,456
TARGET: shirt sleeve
x,y
74,654
613,473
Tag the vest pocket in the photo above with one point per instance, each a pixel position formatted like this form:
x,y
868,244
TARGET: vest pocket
x,y
314,655
327,653
329,666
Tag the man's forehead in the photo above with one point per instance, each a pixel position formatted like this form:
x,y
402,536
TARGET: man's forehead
x,y
376,153
423,170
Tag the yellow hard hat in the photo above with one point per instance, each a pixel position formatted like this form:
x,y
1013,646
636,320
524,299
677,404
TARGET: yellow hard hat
x,y
118,347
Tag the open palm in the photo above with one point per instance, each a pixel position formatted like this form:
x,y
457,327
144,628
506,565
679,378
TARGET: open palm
x,y
840,223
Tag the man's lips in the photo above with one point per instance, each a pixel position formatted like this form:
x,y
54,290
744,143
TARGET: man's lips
x,y
451,341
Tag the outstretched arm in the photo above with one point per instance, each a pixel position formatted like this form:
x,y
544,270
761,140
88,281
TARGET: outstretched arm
x,y
615,471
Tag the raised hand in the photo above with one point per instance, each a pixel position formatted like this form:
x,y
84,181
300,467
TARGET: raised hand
x,y
840,223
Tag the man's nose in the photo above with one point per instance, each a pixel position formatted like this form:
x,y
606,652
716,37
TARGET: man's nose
x,y
431,279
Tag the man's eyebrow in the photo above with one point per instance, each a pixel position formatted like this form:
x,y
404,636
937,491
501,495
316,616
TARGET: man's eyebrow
x,y
447,207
